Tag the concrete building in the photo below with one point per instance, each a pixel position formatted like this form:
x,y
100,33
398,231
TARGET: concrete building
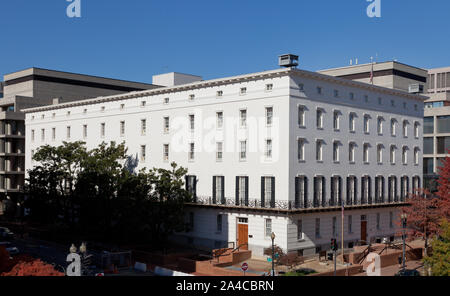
x,y
276,151
37,87
390,74
436,124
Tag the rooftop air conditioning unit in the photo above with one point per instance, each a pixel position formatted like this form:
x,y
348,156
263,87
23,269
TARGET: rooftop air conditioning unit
x,y
415,88
288,60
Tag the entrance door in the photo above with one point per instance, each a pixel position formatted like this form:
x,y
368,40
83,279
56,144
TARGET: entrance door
x,y
242,236
364,231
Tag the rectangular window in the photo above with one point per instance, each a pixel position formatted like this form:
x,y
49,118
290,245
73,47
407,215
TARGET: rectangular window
x,y
352,122
219,93
242,181
43,134
379,154
366,153
268,149
143,150
416,130
243,90
122,128
102,129
405,129
319,90
191,97
336,93
122,106
366,124
392,156
301,149
143,127
300,230
380,126
301,116
319,119
336,120
416,156
32,135
268,227
166,152
243,117
166,124
269,87
192,122
443,124
53,133
68,132
405,155
191,151
443,145
269,116
166,101
243,152
428,145
219,153
218,189
219,116
428,125
319,145
336,151
351,152
85,131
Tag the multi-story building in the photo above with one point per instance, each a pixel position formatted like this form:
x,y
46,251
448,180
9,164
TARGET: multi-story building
x,y
276,151
36,87
436,124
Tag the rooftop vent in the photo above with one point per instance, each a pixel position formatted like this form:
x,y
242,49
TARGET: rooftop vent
x,y
288,60
415,88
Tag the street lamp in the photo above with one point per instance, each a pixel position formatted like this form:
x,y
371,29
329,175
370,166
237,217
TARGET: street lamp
x,y
273,252
404,218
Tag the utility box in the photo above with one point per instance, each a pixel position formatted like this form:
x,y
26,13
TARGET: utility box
x,y
288,60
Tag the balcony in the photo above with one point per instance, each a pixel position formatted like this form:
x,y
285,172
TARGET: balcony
x,y
292,206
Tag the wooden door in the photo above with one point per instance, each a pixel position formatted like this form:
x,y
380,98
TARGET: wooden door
x,y
242,236
364,231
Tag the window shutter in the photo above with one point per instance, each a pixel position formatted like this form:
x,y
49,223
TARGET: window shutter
x,y
377,189
297,192
316,197
340,191
223,189
348,191
363,188
396,188
186,182
332,184
370,189
272,203
237,191
324,196
382,189
390,180
195,188
246,191
407,186
305,180
263,187
214,190
355,180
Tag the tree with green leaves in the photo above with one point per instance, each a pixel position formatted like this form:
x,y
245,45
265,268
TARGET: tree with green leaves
x,y
439,260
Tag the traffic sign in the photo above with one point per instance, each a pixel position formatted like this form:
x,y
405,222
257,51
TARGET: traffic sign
x,y
244,267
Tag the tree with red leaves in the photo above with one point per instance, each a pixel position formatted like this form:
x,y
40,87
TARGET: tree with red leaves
x,y
423,215
444,188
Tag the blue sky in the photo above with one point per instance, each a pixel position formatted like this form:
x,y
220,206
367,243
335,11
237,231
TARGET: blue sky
x,y
135,39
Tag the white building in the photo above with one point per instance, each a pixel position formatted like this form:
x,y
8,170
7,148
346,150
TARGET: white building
x,y
267,152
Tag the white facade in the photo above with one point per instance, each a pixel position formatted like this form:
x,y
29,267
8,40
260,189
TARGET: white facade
x,y
260,130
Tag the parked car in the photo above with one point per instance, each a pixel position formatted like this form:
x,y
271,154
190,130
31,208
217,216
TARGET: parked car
x,y
6,233
10,248
408,272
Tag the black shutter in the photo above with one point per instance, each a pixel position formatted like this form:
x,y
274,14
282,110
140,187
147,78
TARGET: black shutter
x,y
223,189
315,193
263,187
396,189
419,182
214,190
246,191
348,190
382,190
324,187
390,189
237,191
402,188
355,193
272,202
370,189
305,191
332,184
186,182
363,187
407,186
377,189
297,193
341,202
195,188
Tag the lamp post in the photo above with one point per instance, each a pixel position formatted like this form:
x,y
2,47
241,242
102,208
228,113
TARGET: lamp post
x,y
404,217
273,252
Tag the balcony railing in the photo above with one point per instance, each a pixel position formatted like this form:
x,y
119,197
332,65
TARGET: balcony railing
x,y
287,205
